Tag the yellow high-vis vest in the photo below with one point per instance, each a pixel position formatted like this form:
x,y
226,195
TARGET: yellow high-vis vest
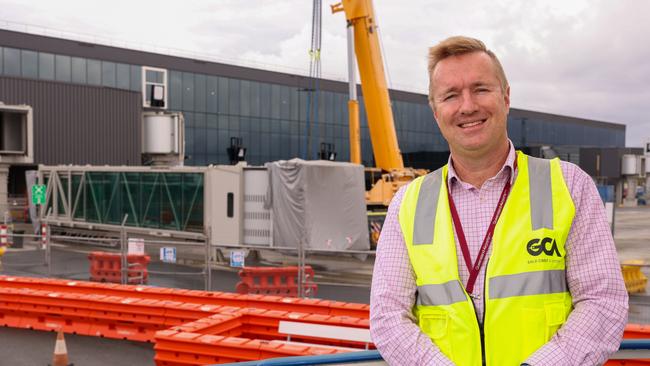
x,y
526,298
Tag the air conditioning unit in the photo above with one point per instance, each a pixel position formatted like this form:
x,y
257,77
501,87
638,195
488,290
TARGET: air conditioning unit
x,y
633,165
163,138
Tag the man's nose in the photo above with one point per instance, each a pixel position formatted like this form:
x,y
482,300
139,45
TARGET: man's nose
x,y
468,104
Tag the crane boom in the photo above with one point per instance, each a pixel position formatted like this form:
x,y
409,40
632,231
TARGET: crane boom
x,y
360,15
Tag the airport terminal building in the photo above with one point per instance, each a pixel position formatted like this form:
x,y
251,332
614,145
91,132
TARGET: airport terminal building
x,y
88,101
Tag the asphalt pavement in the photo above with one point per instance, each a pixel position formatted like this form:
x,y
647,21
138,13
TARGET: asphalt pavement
x,y
25,347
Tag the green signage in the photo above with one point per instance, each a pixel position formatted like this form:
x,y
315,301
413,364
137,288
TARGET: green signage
x,y
38,194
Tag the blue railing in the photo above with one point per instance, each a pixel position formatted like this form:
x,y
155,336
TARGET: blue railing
x,y
642,346
339,358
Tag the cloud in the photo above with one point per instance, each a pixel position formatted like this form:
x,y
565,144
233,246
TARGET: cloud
x,y
583,58
590,67
578,58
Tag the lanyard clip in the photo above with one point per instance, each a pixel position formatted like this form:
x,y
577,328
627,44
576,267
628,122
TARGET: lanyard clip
x,y
475,296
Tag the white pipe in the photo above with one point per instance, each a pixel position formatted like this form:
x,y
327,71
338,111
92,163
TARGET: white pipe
x,y
352,66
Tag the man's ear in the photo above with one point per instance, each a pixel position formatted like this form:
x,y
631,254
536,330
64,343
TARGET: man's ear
x,y
506,96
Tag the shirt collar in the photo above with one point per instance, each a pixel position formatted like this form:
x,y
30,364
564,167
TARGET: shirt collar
x,y
509,164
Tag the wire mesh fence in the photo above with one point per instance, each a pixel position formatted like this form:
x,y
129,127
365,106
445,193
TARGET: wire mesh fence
x,y
132,258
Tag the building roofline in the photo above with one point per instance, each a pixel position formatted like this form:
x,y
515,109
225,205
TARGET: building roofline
x,y
145,58
84,49
517,113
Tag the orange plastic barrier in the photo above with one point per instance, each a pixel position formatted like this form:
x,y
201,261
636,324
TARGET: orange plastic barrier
x,y
633,331
275,281
192,349
637,331
107,267
263,324
270,302
95,315
247,335
189,327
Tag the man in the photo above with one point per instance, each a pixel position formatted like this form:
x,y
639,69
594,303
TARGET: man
x,y
497,258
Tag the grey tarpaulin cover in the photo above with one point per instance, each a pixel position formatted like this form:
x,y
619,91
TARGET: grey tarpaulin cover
x,y
319,203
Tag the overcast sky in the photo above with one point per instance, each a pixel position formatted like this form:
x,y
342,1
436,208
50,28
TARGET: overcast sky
x,y
583,58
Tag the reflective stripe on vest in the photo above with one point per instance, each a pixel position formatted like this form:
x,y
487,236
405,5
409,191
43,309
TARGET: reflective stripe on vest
x,y
442,294
520,284
541,195
425,213
528,283
541,200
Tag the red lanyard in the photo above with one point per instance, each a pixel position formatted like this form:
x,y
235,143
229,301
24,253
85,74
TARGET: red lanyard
x,y
487,240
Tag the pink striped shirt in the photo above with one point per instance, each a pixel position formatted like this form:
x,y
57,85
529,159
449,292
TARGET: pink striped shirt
x,y
593,330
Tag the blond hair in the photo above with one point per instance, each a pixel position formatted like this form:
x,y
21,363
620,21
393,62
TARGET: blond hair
x,y
460,45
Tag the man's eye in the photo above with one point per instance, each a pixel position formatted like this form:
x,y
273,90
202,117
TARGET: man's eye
x,y
448,97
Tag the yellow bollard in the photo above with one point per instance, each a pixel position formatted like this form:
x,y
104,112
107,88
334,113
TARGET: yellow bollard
x,y
635,280
3,249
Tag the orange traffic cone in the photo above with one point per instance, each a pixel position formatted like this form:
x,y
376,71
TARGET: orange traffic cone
x,y
60,357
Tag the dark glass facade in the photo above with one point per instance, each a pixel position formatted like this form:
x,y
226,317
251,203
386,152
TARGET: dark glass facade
x,y
272,118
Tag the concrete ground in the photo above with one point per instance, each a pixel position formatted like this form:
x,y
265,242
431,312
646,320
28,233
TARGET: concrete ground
x,y
632,238
25,347
632,233
346,279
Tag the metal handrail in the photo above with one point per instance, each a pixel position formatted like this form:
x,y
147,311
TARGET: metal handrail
x,y
333,359
642,346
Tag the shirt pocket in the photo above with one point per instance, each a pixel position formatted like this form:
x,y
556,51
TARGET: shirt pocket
x,y
436,324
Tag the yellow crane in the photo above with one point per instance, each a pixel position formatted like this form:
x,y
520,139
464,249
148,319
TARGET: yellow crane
x,y
363,41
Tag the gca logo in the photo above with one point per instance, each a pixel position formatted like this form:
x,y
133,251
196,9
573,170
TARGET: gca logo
x,y
547,246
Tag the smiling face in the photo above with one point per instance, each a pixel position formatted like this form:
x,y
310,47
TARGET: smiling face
x,y
470,105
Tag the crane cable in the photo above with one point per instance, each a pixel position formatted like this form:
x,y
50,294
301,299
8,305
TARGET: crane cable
x,y
314,78
383,53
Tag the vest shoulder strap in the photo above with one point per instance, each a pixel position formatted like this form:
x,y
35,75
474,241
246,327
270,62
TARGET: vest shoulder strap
x,y
541,193
427,205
